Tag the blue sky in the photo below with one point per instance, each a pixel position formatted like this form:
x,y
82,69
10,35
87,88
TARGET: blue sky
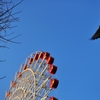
x,y
63,28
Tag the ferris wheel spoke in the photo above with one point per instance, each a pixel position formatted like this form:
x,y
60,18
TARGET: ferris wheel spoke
x,y
36,63
42,85
27,84
42,94
18,93
41,73
44,91
39,65
32,66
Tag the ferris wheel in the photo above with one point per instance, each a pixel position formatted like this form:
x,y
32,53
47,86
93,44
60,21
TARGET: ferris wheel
x,y
35,79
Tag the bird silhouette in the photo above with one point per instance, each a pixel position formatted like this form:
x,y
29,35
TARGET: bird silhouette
x,y
96,35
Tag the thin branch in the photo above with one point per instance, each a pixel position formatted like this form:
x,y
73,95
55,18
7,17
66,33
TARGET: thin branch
x,y
10,8
4,47
10,40
2,60
2,77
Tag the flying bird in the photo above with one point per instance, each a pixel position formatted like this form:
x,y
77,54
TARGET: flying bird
x,y
96,35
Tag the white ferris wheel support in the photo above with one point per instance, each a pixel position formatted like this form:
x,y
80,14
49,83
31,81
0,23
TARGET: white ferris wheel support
x,y
35,79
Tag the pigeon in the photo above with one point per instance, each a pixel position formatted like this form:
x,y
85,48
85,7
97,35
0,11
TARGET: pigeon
x,y
96,35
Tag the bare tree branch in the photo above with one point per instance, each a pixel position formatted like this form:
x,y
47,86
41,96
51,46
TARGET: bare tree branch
x,y
6,18
2,77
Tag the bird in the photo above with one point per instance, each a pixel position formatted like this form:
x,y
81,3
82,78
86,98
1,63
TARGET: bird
x,y
96,35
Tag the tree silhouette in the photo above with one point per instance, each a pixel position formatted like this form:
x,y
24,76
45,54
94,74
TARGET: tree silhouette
x,y
6,18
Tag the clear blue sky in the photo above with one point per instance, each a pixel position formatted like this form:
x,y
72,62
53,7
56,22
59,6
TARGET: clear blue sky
x,y
63,28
